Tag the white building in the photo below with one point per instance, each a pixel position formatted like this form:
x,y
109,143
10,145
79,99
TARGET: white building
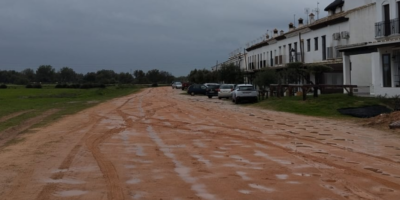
x,y
348,22
376,51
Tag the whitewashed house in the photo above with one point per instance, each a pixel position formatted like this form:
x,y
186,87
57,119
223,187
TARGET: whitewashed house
x,y
317,43
373,58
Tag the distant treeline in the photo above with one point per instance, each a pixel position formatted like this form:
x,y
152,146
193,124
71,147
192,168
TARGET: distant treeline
x,y
67,76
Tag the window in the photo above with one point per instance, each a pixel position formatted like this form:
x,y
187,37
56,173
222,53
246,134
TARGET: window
x,y
309,45
386,15
323,47
316,44
386,71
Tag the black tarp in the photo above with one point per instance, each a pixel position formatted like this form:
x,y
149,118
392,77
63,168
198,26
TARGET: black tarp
x,y
365,111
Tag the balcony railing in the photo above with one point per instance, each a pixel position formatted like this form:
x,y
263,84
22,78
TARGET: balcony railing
x,y
387,28
296,57
333,53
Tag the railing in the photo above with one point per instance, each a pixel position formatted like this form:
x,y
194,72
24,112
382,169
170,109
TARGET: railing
x,y
295,58
333,53
386,28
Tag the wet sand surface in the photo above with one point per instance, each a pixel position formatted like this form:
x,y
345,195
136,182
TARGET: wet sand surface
x,y
159,144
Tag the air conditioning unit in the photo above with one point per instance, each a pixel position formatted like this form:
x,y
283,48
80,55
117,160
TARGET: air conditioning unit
x,y
345,35
336,36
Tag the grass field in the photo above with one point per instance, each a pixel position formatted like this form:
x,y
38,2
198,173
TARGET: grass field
x,y
68,101
324,105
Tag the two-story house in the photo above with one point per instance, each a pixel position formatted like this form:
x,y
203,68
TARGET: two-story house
x,y
378,43
315,42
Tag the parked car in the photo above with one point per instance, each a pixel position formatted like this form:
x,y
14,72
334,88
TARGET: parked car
x,y
212,90
186,85
177,85
208,84
225,91
196,89
244,92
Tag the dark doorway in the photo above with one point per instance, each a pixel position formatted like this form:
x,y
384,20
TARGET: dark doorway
x,y
386,70
323,47
386,13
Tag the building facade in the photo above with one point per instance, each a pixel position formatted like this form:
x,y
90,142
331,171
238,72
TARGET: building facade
x,y
317,42
381,47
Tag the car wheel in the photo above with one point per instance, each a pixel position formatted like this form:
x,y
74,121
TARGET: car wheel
x,y
209,97
219,98
237,101
192,93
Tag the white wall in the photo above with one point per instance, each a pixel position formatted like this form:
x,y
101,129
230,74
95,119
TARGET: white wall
x,y
362,29
350,4
379,9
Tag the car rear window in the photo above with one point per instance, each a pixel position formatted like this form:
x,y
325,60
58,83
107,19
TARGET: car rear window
x,y
227,87
246,88
213,86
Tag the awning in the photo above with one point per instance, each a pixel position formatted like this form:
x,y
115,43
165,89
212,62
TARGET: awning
x,y
367,47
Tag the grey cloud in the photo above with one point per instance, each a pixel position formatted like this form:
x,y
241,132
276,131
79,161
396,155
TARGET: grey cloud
x,y
171,35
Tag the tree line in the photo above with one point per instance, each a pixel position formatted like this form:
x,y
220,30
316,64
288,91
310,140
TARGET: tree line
x,y
225,74
67,75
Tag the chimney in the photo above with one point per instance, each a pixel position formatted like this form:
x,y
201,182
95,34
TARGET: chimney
x,y
275,33
312,20
282,32
267,36
301,22
291,27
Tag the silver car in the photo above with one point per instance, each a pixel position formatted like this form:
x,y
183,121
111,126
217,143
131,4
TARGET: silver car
x,y
177,85
225,91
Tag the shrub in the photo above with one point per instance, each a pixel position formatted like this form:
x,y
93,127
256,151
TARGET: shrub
x,y
3,86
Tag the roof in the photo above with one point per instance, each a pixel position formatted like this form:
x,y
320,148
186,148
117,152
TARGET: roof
x,y
334,5
323,22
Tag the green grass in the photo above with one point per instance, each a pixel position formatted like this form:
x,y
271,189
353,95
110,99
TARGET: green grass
x,y
69,101
323,106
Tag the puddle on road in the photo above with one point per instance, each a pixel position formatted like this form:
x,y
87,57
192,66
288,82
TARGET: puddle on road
x,y
302,174
241,167
202,160
133,181
200,144
266,156
65,181
70,193
293,182
142,161
244,191
243,175
182,171
240,159
217,156
130,166
281,176
262,188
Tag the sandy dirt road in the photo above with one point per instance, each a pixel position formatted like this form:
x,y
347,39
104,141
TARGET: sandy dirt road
x,y
158,144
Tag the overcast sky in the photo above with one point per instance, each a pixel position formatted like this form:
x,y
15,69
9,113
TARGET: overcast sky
x,y
125,35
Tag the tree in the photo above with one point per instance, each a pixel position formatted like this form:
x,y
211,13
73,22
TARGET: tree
x,y
45,73
89,77
166,77
106,77
153,76
140,76
125,78
29,74
67,75
230,74
265,78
